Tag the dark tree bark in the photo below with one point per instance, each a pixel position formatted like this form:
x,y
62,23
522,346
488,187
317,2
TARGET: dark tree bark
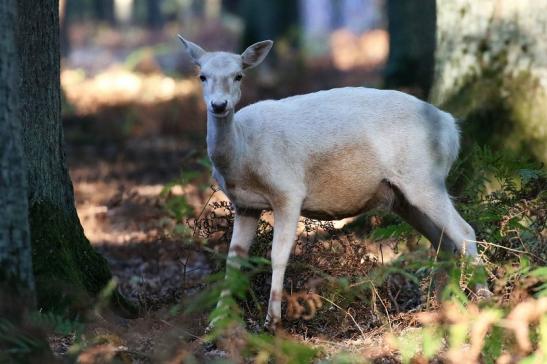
x,y
411,45
15,251
66,267
16,276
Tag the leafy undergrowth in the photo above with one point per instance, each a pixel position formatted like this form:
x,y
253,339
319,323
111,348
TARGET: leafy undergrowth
x,y
359,292
349,299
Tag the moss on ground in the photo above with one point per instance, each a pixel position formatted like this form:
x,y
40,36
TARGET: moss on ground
x,y
68,271
503,112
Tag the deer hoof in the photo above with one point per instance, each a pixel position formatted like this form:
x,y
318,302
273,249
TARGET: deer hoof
x,y
272,324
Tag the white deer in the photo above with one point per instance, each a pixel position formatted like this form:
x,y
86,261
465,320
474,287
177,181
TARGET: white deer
x,y
326,155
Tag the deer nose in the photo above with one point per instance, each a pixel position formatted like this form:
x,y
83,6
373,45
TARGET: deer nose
x,y
219,107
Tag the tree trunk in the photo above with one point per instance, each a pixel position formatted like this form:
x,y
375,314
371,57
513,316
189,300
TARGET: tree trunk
x,y
411,45
491,71
66,267
15,251
104,11
16,277
269,19
154,17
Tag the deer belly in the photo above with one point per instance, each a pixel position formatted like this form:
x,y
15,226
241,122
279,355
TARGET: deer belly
x,y
337,206
341,188
247,198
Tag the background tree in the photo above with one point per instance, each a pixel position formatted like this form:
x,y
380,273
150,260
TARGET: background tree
x,y
65,264
491,70
271,19
104,11
149,13
411,27
154,16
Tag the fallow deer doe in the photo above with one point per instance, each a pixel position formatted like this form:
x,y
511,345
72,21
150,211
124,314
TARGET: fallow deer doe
x,y
326,155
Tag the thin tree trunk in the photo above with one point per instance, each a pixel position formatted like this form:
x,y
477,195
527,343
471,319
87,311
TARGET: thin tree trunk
x,y
491,71
66,267
104,11
15,251
411,45
268,19
153,14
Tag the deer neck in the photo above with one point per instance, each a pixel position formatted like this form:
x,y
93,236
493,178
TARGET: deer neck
x,y
222,142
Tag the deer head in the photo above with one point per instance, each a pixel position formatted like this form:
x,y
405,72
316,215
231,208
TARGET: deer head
x,y
221,73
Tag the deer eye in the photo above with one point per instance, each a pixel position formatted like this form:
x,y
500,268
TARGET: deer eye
x,y
238,77
202,78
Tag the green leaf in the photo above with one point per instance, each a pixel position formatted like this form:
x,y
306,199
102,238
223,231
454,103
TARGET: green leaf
x,y
395,230
542,330
432,342
493,345
408,345
539,273
458,334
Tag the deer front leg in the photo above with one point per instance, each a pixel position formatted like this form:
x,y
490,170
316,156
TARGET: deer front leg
x,y
285,222
245,223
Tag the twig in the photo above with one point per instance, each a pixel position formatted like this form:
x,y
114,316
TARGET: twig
x,y
347,313
463,265
215,190
185,264
434,263
501,246
486,243
383,304
394,299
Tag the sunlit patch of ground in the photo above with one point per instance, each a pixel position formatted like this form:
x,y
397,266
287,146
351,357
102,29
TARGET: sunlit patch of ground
x,y
117,85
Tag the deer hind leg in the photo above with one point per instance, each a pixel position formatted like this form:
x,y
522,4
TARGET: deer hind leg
x,y
430,211
285,223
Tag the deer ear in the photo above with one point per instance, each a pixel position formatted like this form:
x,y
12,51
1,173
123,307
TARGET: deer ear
x,y
194,51
255,54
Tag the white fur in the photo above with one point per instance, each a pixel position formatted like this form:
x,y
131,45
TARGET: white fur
x,y
331,154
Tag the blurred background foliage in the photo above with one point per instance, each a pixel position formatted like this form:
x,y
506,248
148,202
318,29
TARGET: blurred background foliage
x,y
491,74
